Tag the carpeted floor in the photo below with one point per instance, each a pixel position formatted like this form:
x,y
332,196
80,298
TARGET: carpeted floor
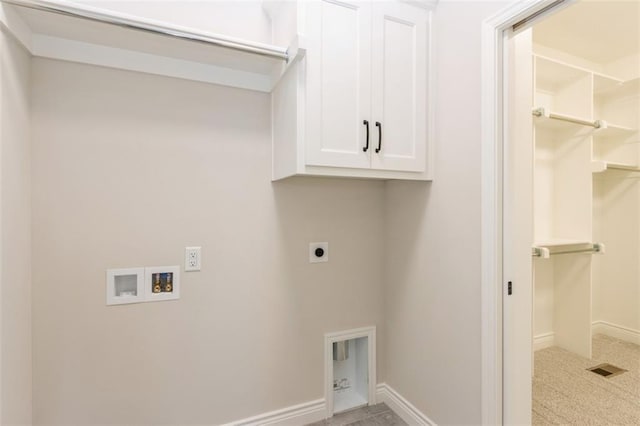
x,y
375,415
565,393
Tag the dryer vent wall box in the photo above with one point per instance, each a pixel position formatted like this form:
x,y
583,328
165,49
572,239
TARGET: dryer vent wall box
x,y
350,374
350,367
137,285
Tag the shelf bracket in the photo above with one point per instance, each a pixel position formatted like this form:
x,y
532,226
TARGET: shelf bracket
x,y
541,252
296,52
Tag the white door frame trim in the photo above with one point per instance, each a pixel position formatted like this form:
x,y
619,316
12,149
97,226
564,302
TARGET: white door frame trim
x,y
493,142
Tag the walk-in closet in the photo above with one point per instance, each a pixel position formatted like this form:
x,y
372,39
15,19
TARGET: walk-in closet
x,y
586,115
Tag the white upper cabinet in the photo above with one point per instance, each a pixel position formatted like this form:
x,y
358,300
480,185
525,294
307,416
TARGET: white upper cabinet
x,y
399,88
338,83
356,104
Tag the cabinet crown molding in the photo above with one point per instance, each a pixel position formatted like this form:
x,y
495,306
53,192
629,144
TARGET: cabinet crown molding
x,y
425,4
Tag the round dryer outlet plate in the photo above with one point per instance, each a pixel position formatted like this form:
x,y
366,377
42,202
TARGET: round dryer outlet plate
x,y
318,252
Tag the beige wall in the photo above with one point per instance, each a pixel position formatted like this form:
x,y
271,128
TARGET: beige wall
x,y
128,169
15,235
432,293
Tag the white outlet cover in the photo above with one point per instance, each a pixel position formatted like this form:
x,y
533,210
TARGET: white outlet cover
x,y
312,252
192,259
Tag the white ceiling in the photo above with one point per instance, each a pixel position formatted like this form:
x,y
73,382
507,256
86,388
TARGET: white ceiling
x,y
600,31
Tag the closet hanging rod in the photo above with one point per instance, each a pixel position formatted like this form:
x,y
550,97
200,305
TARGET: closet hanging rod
x,y
544,252
95,15
541,112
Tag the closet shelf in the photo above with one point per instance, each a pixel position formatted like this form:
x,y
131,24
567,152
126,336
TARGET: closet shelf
x,y
603,166
560,242
603,84
620,90
80,33
551,74
611,130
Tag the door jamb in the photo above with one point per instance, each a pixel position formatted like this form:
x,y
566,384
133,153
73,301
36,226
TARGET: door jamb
x,y
492,147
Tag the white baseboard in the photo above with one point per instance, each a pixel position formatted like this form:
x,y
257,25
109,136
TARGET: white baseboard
x,y
401,406
296,415
313,411
613,330
543,341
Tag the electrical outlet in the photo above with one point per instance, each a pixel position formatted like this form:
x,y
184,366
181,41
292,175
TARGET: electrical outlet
x,y
192,258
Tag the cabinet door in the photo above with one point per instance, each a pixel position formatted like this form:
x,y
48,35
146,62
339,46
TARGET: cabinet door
x,y
400,49
338,80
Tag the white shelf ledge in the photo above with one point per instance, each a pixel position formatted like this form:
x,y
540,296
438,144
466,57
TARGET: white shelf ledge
x,y
603,84
552,75
612,130
620,90
80,33
560,242
603,166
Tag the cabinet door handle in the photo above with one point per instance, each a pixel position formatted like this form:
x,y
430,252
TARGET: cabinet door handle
x,y
366,147
379,126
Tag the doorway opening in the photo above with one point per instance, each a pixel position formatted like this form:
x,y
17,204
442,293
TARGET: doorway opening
x,y
586,214
564,219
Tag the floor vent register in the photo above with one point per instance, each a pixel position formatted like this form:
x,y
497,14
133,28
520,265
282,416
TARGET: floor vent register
x,y
607,370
